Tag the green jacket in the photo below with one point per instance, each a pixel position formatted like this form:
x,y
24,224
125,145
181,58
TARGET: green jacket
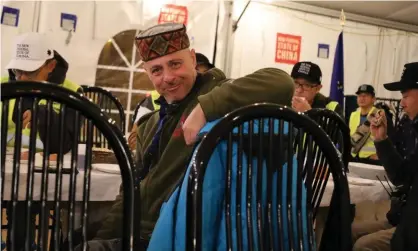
x,y
217,97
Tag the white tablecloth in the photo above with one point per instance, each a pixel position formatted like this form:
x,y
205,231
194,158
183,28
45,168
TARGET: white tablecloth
x,y
367,171
358,193
103,186
374,191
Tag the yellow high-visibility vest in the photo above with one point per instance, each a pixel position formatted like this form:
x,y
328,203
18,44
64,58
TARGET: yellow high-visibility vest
x,y
331,105
368,149
154,96
11,127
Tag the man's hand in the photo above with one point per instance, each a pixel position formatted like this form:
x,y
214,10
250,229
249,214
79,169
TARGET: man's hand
x,y
378,126
132,140
132,137
300,104
27,117
193,124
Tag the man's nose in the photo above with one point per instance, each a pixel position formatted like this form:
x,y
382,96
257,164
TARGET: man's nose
x,y
168,77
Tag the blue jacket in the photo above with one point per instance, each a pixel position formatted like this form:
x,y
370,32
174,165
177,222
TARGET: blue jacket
x,y
170,230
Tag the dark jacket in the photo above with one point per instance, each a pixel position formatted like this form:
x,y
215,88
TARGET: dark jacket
x,y
57,76
403,171
320,101
217,97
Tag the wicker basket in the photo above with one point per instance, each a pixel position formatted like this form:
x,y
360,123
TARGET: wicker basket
x,y
103,156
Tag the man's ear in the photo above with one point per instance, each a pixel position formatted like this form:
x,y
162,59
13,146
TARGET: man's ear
x,y
193,54
319,87
51,65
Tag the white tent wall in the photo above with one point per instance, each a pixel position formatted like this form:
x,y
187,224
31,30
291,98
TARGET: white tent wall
x,y
372,55
98,21
26,22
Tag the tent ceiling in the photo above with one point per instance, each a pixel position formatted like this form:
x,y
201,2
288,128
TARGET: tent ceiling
x,y
398,11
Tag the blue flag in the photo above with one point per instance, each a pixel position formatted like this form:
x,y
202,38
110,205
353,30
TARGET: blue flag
x,y
337,80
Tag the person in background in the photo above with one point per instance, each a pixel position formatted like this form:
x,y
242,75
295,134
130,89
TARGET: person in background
x,y
144,107
202,63
33,59
366,97
189,99
400,231
308,77
148,103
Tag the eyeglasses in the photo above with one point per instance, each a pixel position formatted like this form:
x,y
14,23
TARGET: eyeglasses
x,y
29,74
304,87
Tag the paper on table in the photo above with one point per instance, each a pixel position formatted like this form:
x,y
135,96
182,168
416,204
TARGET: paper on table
x,y
360,181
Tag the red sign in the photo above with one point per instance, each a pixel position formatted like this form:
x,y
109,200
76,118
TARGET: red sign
x,y
288,48
171,13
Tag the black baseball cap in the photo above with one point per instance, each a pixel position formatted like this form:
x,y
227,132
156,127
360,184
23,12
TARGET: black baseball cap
x,y
366,89
409,79
307,70
202,59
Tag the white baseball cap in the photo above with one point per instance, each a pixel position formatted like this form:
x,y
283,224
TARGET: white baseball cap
x,y
30,51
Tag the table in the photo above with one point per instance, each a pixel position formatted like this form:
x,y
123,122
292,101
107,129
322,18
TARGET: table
x,y
367,171
103,186
358,193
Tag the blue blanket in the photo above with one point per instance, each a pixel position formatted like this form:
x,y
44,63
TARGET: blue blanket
x,y
170,230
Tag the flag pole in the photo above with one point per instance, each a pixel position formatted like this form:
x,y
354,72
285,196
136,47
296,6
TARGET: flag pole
x,y
342,20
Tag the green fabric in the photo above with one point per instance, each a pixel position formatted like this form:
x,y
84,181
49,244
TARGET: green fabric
x,y
217,97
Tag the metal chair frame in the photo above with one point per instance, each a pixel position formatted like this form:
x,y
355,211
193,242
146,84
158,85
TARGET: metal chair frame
x,y
83,108
338,219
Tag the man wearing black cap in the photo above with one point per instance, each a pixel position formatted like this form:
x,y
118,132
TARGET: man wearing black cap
x,y
202,63
363,145
308,77
401,231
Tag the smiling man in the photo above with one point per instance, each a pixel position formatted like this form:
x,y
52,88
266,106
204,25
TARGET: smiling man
x,y
188,100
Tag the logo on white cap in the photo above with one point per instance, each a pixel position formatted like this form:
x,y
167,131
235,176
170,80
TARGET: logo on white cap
x,y
22,51
30,50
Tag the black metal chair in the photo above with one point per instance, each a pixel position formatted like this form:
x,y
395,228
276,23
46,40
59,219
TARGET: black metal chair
x,y
337,130
110,105
269,150
54,182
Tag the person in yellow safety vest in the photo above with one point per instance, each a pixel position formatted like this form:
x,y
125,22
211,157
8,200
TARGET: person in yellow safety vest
x,y
308,77
33,59
366,97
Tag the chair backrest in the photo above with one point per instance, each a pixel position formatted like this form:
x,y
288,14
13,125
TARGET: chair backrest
x,y
65,178
336,128
110,105
276,211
